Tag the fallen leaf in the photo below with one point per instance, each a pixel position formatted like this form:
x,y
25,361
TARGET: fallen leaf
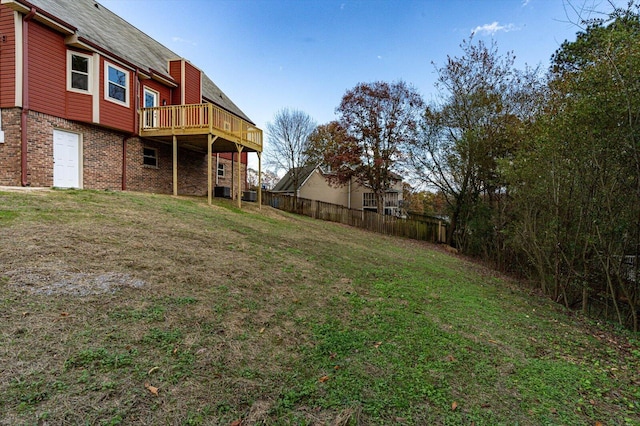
x,y
592,402
492,341
377,345
152,370
332,355
262,330
323,379
64,314
154,390
454,405
450,358
599,424
553,410
24,314
236,423
337,367
175,349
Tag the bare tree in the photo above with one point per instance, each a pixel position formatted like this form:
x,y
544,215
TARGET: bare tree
x,y
288,139
269,179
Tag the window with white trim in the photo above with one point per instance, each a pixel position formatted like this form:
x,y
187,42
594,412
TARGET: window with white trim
x,y
220,170
150,157
369,201
116,84
79,72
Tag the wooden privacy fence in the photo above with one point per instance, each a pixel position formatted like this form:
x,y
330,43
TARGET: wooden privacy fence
x,y
434,230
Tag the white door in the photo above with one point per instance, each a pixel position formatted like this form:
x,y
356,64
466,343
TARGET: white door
x,y
66,159
150,101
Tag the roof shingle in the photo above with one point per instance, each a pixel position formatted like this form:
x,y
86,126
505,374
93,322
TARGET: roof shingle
x,y
104,28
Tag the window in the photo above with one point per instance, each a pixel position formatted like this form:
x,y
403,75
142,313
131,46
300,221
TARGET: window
x,y
150,157
116,85
79,68
369,201
220,170
391,199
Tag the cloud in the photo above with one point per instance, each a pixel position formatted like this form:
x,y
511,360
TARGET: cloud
x,y
494,27
182,40
525,2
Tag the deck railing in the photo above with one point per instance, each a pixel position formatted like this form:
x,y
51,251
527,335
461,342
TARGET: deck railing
x,y
197,119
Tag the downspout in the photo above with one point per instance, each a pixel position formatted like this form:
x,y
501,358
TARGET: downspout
x,y
2,40
25,97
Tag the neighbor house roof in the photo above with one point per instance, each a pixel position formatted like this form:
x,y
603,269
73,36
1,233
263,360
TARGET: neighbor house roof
x,y
286,183
103,28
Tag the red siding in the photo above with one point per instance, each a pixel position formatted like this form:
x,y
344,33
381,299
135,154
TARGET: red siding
x,y
192,80
7,58
227,156
164,91
79,107
47,70
112,114
175,71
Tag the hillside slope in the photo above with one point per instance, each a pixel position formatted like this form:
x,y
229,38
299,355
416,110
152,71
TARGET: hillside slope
x,y
124,308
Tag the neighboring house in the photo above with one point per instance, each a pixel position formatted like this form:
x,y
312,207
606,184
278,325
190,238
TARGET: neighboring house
x,y
89,101
313,184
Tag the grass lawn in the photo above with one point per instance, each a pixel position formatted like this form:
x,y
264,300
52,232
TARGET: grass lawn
x,y
125,308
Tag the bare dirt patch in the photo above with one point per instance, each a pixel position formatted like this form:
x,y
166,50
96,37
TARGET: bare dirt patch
x,y
58,279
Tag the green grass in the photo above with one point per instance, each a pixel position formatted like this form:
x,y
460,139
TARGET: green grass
x,y
271,318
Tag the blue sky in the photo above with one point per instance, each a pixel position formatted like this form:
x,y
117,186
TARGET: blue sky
x,y
305,54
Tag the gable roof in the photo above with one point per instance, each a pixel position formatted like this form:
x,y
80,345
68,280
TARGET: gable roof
x,y
103,28
286,183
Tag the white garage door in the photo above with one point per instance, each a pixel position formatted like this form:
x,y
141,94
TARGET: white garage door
x,y
66,159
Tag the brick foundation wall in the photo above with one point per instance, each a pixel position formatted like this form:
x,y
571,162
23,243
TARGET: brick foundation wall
x,y
10,149
102,158
101,152
192,170
145,178
230,178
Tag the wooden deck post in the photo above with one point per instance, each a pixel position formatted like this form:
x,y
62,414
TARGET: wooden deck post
x,y
259,179
209,154
175,165
239,148
210,140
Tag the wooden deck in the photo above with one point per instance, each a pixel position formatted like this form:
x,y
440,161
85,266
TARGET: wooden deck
x,y
195,122
203,127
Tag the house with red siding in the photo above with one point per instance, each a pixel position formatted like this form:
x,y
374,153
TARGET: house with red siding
x,y
89,101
